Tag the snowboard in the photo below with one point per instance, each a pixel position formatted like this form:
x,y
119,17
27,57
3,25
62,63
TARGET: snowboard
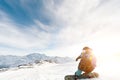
x,y
83,76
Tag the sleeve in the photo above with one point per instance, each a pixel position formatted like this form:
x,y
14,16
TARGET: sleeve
x,y
81,54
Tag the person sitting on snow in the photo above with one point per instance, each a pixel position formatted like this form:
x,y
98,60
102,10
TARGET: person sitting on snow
x,y
87,63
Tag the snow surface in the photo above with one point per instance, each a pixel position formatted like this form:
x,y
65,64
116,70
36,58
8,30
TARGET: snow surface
x,y
52,71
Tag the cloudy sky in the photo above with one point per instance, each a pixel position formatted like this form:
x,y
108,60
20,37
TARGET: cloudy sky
x,y
59,27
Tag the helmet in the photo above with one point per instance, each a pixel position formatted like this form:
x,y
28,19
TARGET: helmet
x,y
85,48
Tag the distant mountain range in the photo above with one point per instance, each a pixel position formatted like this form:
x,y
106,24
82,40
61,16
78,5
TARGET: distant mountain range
x,y
10,61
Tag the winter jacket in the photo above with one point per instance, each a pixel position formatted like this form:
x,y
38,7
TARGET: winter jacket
x,y
88,62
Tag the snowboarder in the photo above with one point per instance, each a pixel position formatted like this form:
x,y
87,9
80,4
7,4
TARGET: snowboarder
x,y
87,63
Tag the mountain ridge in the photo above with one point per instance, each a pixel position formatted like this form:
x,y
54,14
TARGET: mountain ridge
x,y
9,61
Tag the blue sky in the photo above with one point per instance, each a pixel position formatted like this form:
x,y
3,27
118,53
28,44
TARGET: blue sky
x,y
24,18
58,27
24,11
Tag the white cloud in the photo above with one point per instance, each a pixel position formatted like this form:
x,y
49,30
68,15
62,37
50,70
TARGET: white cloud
x,y
24,38
44,27
85,22
31,38
84,18
88,22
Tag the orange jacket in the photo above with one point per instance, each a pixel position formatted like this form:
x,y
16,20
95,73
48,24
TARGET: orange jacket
x,y
88,62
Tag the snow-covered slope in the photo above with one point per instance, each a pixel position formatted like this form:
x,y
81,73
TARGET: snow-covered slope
x,y
14,61
108,69
52,71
